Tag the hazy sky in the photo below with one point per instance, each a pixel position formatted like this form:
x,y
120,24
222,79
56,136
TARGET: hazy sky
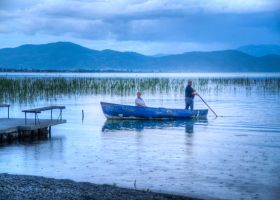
x,y
145,26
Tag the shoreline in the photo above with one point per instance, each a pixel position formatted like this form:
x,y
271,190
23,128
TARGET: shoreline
x,y
37,187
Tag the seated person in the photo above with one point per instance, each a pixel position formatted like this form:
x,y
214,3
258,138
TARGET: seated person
x,y
139,101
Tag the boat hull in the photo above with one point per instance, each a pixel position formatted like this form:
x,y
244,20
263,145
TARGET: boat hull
x,y
118,111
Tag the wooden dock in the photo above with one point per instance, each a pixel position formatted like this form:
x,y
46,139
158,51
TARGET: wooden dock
x,y
19,128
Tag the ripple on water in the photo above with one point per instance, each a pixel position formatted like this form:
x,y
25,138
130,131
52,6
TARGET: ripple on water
x,y
233,157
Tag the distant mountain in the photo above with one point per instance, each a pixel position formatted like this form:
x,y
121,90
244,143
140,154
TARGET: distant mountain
x,y
66,56
260,50
159,55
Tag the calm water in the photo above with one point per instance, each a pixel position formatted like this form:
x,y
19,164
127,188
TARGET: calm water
x,y
230,157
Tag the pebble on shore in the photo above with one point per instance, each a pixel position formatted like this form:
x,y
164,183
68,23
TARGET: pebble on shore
x,y
23,187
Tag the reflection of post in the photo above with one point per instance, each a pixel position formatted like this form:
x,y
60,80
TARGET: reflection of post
x,y
139,127
189,127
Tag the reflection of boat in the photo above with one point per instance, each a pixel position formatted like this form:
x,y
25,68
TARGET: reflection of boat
x,y
118,111
139,125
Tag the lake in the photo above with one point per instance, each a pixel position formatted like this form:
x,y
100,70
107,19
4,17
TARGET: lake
x,y
234,156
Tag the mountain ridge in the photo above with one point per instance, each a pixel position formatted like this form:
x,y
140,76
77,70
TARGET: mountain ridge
x,y
260,50
67,56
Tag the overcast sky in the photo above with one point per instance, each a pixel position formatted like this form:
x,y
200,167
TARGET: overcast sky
x,y
145,26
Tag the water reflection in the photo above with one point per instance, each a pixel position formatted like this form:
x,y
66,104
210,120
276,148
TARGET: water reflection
x,y
51,148
176,156
35,144
140,125
28,155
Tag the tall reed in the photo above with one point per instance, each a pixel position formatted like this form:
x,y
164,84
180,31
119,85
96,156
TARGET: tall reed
x,y
22,90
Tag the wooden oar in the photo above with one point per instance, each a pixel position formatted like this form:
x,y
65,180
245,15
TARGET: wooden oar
x,y
207,104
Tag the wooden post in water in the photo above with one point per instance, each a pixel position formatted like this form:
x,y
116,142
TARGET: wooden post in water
x,y
19,135
50,131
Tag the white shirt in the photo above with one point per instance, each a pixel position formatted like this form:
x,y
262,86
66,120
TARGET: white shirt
x,y
139,102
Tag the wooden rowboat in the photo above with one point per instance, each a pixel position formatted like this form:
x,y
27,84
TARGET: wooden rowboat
x,y
118,111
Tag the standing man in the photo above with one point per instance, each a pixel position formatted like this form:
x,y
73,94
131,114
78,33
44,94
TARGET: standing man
x,y
189,95
139,101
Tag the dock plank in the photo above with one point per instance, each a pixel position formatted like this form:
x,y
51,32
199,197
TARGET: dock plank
x,y
38,110
4,105
18,124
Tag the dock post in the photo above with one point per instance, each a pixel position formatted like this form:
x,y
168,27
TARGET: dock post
x,y
60,114
50,131
32,134
19,135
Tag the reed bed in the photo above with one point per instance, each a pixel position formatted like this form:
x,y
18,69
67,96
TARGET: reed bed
x,y
24,90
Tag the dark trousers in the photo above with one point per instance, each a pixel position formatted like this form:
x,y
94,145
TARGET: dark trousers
x,y
189,103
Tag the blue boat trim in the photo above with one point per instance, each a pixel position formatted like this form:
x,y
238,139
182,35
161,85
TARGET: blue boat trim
x,y
119,111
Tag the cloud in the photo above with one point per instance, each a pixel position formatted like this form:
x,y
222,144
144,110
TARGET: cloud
x,y
188,22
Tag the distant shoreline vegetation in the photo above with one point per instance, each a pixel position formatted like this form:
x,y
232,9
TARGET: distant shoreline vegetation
x,y
66,71
121,71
